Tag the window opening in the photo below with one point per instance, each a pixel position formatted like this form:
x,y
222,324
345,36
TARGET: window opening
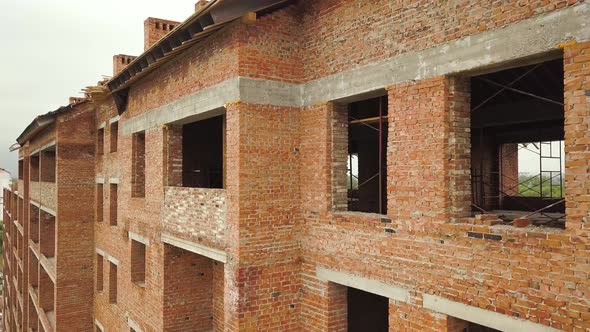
x,y
367,156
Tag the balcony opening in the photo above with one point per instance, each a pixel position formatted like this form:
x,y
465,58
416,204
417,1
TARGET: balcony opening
x,y
48,165
193,291
114,136
46,292
138,165
99,202
34,168
34,217
517,149
99,272
47,234
21,169
112,282
367,156
100,142
33,271
137,263
113,204
367,311
203,153
33,317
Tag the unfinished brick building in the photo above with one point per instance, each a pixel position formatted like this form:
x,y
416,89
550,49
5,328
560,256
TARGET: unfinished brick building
x,y
316,166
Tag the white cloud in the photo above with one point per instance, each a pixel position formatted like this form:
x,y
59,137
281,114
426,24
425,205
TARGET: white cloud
x,y
52,49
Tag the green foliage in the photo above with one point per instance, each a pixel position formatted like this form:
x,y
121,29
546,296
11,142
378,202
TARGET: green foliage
x,y
530,186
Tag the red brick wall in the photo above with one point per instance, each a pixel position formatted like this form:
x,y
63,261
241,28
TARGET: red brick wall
x,y
189,291
263,209
75,183
271,48
210,62
339,35
417,150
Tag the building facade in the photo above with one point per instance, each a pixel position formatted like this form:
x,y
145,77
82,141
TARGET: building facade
x,y
5,180
316,166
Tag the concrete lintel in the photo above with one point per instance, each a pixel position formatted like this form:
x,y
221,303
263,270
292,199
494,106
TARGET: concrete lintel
x,y
482,317
114,180
43,148
139,238
114,119
102,125
35,203
198,249
99,325
133,325
100,180
43,208
529,37
100,252
365,284
202,101
48,210
266,92
112,259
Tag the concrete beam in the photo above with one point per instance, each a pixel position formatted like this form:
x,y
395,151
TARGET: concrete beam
x,y
527,41
482,317
114,119
139,238
365,284
526,38
198,249
203,101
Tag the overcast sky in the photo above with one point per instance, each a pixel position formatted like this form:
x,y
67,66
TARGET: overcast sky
x,y
52,49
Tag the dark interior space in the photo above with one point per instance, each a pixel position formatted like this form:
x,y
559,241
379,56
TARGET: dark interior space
x,y
472,327
367,312
517,132
367,155
202,153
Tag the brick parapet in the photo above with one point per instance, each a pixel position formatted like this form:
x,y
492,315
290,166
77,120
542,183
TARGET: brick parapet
x,y
205,225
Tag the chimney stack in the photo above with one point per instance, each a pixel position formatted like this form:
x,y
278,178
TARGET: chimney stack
x,y
154,29
120,61
200,5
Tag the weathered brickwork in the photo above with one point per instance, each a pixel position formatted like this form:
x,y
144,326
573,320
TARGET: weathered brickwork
x,y
252,256
205,225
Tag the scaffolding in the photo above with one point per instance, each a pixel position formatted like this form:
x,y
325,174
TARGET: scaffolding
x,y
378,126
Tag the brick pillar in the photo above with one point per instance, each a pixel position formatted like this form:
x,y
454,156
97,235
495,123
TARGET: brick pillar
x,y
263,270
324,305
173,156
459,147
577,135
339,146
418,184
